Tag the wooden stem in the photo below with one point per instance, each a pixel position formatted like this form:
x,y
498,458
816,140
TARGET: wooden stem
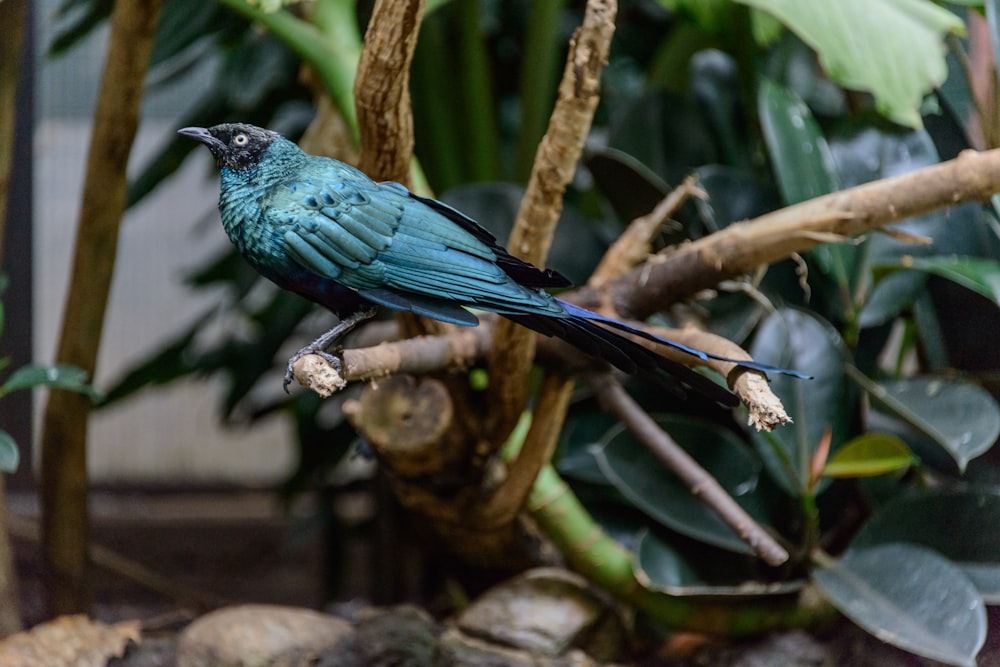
x,y
64,426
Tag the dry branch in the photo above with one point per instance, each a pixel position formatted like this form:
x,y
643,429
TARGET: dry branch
x,y
635,244
555,162
742,247
382,90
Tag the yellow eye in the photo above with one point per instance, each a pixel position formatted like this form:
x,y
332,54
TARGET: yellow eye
x,y
241,139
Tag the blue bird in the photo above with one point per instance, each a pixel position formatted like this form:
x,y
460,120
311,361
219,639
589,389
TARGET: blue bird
x,y
324,230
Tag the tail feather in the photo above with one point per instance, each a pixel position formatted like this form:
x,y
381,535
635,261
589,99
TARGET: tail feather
x,y
622,353
578,312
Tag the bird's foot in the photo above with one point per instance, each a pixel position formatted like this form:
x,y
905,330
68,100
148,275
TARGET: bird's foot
x,y
320,345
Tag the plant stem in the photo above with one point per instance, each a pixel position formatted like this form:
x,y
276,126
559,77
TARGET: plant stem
x,y
591,552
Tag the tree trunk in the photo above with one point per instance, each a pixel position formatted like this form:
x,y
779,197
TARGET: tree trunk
x,y
64,428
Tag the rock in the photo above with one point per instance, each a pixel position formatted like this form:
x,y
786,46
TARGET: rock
x,y
546,611
259,635
402,636
464,651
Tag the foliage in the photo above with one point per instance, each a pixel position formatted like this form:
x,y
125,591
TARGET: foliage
x,y
30,376
896,426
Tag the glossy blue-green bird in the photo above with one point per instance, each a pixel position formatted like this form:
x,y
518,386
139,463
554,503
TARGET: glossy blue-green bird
x,y
324,230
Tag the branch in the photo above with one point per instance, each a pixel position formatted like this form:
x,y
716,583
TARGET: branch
x,y
742,247
464,347
461,348
615,399
635,244
63,441
555,162
381,90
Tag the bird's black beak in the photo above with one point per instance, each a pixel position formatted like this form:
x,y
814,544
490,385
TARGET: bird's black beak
x,y
205,137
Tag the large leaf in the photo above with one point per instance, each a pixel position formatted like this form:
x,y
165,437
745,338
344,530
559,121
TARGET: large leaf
x,y
658,492
667,133
893,49
803,341
910,597
958,523
10,456
804,168
630,187
958,417
693,570
800,156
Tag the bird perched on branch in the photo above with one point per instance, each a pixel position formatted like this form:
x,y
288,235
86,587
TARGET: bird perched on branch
x,y
324,230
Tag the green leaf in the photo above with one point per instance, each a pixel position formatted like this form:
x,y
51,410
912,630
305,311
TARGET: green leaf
x,y
959,417
869,455
712,16
893,49
59,376
958,523
803,165
979,275
630,187
910,597
10,456
800,156
645,481
798,339
662,566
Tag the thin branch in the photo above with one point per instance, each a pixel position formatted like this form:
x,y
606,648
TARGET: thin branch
x,y
460,348
463,348
742,247
635,245
555,162
615,399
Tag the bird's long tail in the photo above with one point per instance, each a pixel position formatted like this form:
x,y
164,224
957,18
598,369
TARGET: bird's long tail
x,y
591,333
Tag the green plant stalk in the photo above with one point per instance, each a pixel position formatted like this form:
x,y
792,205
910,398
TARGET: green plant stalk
x,y
591,552
438,114
539,73
332,46
481,135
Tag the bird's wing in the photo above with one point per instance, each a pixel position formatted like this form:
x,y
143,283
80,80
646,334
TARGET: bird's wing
x,y
397,250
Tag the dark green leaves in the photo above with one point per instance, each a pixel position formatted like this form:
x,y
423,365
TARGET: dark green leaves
x,y
646,483
908,596
938,414
798,339
959,523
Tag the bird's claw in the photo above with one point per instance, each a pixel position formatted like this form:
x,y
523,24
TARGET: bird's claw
x,y
320,345
331,359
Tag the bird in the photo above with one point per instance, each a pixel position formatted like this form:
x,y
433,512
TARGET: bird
x,y
324,230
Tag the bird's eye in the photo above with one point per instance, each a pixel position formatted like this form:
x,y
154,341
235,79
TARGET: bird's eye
x,y
241,139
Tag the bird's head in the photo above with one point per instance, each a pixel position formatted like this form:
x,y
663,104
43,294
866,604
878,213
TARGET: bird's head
x,y
236,145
